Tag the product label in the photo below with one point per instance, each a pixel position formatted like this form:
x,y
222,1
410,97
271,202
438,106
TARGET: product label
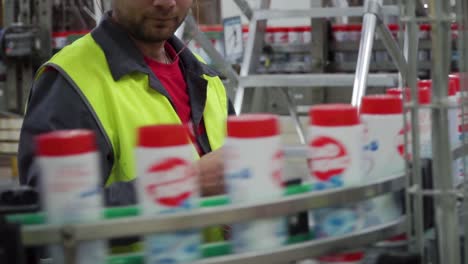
x,y
328,161
170,183
253,173
178,247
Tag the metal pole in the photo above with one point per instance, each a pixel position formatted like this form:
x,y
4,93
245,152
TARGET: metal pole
x,y
445,205
365,53
416,224
252,53
293,112
462,17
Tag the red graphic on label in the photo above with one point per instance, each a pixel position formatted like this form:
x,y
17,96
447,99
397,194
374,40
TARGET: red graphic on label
x,y
329,158
400,140
278,160
173,182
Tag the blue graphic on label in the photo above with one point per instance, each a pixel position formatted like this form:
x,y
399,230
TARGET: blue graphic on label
x,y
243,174
335,221
372,146
178,247
90,192
334,182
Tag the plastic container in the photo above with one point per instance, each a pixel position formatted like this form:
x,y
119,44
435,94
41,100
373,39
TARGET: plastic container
x,y
335,155
425,123
340,33
295,35
167,184
354,32
347,258
306,34
69,165
281,35
253,173
454,119
382,116
424,35
269,35
245,34
59,39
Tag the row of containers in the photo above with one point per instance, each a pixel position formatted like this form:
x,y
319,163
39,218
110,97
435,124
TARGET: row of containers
x,y
346,147
340,33
283,36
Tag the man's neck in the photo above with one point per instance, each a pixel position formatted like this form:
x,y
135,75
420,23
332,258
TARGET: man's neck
x,y
155,51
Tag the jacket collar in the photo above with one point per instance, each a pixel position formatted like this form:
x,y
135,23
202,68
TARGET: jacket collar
x,y
124,57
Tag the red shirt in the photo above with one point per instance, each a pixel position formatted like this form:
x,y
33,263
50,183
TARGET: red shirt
x,y
172,79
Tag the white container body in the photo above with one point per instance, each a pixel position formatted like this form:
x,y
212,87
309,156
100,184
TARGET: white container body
x,y
295,37
336,156
336,160
280,37
269,38
167,184
384,152
425,132
253,173
71,194
454,119
306,37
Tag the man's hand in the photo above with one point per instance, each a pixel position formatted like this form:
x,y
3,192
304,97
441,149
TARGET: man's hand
x,y
211,170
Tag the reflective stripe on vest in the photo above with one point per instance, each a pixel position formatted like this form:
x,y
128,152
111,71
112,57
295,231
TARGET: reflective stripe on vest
x,y
120,107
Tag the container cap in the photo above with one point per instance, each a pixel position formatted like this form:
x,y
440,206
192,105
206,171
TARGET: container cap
x,y
381,105
424,95
355,27
66,143
425,84
425,27
348,257
399,92
340,27
393,27
245,28
162,136
253,126
456,78
334,115
452,87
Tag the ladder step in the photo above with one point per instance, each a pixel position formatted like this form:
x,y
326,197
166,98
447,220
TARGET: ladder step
x,y
315,80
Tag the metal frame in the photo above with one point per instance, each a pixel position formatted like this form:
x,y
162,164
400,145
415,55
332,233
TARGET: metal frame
x,y
70,236
253,50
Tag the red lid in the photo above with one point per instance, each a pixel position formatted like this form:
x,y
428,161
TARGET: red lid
x,y
162,136
79,32
399,92
59,34
211,28
245,28
425,27
355,27
66,143
381,104
253,126
393,27
334,115
339,27
452,87
454,26
424,95
425,84
455,77
348,257
305,29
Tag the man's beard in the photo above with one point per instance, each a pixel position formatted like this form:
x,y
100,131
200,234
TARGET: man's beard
x,y
141,31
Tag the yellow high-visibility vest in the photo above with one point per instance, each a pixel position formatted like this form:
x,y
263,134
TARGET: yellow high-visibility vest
x,y
122,106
